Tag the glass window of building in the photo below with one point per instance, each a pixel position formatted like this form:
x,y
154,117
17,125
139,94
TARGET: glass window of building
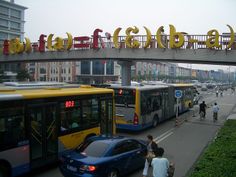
x,y
98,67
42,71
15,13
32,70
85,67
15,26
3,35
3,23
110,67
3,10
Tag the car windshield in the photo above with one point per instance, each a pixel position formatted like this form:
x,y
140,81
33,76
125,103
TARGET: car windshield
x,y
93,148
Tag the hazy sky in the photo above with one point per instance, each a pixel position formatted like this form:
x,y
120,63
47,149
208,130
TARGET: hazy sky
x,y
82,17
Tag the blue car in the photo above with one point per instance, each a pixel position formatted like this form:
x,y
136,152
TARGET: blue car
x,y
102,156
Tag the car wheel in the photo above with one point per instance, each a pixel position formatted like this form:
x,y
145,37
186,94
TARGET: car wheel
x,y
113,173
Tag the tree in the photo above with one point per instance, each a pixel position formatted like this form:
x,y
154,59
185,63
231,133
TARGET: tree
x,y
22,75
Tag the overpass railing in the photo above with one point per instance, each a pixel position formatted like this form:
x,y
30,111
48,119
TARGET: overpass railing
x,y
190,42
200,43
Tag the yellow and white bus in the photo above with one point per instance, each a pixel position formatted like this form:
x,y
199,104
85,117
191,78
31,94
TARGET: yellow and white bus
x,y
141,106
37,124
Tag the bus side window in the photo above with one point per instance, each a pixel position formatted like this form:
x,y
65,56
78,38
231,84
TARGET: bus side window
x,y
2,131
12,129
64,123
143,105
155,103
70,116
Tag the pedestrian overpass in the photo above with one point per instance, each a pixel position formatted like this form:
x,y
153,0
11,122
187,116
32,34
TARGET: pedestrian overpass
x,y
175,47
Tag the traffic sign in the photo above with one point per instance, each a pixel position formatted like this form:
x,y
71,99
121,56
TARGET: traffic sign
x,y
178,93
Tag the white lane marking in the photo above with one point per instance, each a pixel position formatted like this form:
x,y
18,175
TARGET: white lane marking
x,y
164,135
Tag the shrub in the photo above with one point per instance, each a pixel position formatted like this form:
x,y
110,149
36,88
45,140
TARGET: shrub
x,y
219,159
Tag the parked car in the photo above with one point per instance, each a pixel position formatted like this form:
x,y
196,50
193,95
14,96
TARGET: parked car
x,y
102,156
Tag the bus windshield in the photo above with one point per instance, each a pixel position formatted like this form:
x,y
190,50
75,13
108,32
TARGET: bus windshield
x,y
125,97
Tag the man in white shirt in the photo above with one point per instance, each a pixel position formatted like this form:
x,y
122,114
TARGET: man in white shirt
x,y
160,164
215,110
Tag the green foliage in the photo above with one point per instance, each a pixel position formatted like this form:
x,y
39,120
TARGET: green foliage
x,y
22,75
219,159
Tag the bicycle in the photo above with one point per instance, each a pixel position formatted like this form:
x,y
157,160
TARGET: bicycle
x,y
215,116
202,116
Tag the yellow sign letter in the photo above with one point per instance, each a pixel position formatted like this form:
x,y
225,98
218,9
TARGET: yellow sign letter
x,y
176,38
213,40
129,40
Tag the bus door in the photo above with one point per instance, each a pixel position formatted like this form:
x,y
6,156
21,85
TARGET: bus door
x,y
43,134
106,123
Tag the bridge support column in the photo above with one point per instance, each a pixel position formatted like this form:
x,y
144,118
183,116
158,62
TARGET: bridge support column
x,y
125,72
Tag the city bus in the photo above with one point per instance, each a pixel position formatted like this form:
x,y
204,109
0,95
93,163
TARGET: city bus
x,y
141,106
186,101
37,124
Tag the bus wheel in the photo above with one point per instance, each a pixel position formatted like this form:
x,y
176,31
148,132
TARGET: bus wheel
x,y
4,172
155,121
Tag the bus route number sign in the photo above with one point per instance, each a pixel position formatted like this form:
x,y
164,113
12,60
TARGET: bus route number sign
x,y
178,93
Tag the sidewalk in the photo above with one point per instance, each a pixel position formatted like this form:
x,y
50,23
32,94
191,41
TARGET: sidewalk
x,y
194,111
189,139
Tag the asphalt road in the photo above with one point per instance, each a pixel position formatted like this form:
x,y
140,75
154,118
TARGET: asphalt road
x,y
183,144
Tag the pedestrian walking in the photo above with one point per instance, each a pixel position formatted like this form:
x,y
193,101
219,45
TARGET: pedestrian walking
x,y
202,110
160,164
217,93
151,151
215,110
221,93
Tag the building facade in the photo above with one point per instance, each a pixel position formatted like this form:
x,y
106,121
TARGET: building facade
x,y
11,26
84,72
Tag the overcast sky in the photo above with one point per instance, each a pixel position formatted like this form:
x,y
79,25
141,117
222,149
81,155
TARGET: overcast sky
x,y
82,17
